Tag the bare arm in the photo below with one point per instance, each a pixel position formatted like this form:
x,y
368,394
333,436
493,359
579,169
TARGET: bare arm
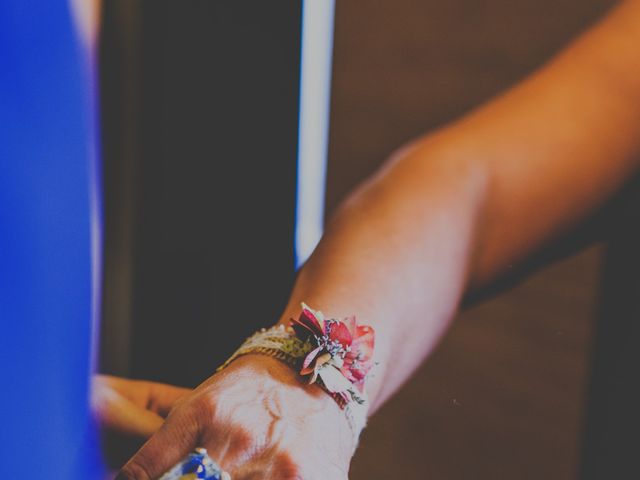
x,y
453,209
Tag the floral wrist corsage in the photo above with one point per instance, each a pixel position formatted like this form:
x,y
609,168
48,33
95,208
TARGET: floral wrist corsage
x,y
341,352
335,354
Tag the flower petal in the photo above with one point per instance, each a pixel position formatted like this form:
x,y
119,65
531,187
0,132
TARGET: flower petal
x,y
346,396
316,313
322,359
312,319
351,324
310,357
314,364
346,371
363,343
307,324
334,380
339,332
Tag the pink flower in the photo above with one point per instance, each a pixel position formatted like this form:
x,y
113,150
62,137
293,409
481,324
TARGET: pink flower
x,y
340,344
358,360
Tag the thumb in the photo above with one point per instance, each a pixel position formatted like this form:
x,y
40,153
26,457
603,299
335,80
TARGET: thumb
x,y
169,445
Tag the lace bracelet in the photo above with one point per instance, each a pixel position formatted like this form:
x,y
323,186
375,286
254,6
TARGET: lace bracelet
x,y
334,354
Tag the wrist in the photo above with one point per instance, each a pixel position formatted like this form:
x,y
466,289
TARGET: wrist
x,y
271,372
335,355
304,406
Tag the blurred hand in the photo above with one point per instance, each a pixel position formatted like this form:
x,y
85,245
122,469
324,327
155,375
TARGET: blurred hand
x,y
129,412
258,420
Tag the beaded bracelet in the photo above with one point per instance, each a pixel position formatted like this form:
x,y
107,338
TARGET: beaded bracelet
x,y
334,354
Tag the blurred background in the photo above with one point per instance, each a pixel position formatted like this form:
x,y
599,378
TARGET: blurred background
x,y
197,111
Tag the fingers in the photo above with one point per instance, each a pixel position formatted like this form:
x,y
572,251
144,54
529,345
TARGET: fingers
x,y
162,397
136,409
169,445
119,414
157,397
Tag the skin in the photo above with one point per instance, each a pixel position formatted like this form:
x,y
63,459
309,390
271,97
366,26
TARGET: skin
x,y
132,407
129,412
269,430
445,216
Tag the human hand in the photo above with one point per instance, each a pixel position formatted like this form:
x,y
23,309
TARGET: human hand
x,y
129,412
258,420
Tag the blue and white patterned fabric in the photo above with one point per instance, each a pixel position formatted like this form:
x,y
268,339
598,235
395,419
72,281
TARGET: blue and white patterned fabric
x,y
197,465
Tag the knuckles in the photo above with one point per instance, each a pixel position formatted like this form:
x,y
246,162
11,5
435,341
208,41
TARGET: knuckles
x,y
201,408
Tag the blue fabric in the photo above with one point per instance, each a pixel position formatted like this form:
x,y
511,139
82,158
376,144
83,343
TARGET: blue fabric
x,y
197,463
45,245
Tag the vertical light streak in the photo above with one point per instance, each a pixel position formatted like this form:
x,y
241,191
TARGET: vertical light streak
x,y
313,130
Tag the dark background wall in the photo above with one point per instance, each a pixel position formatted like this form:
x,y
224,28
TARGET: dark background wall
x,y
503,397
200,114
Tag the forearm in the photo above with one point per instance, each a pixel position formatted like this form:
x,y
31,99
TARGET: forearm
x,y
397,255
456,207
559,144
